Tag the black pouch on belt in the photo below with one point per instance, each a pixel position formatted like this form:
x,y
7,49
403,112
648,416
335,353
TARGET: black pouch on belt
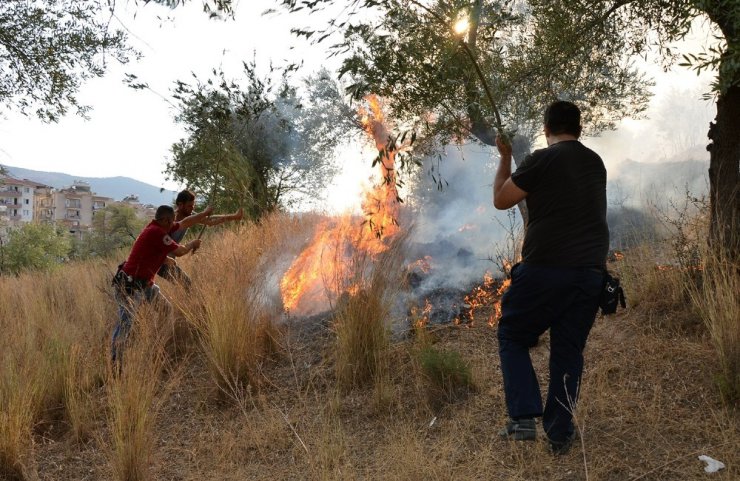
x,y
126,283
612,295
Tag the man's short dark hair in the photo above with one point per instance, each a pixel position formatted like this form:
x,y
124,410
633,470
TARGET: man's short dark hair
x,y
184,197
164,212
563,117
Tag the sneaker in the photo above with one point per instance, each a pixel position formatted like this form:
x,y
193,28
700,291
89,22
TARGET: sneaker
x,y
519,430
560,448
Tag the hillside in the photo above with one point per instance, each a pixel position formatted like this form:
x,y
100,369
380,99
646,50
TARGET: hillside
x,y
114,187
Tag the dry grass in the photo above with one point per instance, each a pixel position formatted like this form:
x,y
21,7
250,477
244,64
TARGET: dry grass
x,y
649,403
233,311
20,393
43,317
134,397
362,316
717,299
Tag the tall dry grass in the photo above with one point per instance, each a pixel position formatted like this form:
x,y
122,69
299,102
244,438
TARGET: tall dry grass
x,y
20,394
717,300
654,270
683,282
43,316
369,289
135,396
234,307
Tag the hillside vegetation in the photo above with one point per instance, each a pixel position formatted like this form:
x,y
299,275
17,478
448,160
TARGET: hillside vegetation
x,y
228,387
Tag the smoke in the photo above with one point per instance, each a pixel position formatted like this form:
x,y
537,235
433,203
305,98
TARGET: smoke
x,y
457,225
662,156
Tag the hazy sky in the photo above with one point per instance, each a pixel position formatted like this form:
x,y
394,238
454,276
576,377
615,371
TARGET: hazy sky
x,y
130,132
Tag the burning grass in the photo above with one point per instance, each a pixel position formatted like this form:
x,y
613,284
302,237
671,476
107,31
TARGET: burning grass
x,y
362,315
649,402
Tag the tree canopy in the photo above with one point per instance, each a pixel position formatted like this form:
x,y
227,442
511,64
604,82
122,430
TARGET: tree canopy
x,y
254,143
34,246
48,48
462,69
113,228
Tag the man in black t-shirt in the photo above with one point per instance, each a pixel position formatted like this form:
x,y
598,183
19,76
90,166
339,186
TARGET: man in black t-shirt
x,y
557,284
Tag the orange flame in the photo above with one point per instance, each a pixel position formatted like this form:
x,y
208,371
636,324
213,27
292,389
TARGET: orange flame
x,y
380,204
487,294
420,318
497,305
318,268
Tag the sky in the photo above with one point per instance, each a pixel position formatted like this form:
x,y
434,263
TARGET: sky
x,y
130,132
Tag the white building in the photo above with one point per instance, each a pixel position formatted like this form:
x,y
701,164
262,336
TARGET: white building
x,y
17,200
73,207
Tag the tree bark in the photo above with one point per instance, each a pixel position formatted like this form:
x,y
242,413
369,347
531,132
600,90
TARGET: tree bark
x,y
724,174
724,149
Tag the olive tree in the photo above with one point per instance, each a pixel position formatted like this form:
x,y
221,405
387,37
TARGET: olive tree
x,y
466,68
48,48
257,144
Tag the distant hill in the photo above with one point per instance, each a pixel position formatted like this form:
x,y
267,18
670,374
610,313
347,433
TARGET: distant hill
x,y
115,187
638,182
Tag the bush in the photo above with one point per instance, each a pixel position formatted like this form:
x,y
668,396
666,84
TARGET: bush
x,y
449,377
34,246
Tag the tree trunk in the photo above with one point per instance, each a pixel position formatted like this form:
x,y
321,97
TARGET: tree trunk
x,y
724,174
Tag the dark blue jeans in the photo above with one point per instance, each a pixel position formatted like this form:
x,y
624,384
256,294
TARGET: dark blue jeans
x,y
174,273
564,300
127,305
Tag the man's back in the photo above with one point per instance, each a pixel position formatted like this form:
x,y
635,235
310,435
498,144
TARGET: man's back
x,y
566,185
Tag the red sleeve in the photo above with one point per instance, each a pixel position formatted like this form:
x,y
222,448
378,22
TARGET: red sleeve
x,y
170,245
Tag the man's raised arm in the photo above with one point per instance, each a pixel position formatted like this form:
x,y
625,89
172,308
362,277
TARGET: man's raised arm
x,y
220,219
505,192
196,218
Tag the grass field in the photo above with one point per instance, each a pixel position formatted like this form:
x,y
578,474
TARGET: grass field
x,y
228,388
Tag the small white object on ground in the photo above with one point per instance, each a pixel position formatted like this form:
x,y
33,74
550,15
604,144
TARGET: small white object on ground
x,y
434,420
712,464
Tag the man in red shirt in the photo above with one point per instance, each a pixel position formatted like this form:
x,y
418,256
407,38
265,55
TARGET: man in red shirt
x,y
184,205
134,281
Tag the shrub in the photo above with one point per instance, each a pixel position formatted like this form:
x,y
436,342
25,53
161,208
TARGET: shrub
x,y
448,376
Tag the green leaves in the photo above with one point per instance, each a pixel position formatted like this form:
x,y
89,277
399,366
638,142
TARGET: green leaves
x,y
49,48
34,246
256,144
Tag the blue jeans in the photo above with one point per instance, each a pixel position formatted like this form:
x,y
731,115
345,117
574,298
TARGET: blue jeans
x,y
564,300
127,305
174,273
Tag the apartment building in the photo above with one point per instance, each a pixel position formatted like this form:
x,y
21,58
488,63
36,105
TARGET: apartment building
x,y
17,200
24,201
74,206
